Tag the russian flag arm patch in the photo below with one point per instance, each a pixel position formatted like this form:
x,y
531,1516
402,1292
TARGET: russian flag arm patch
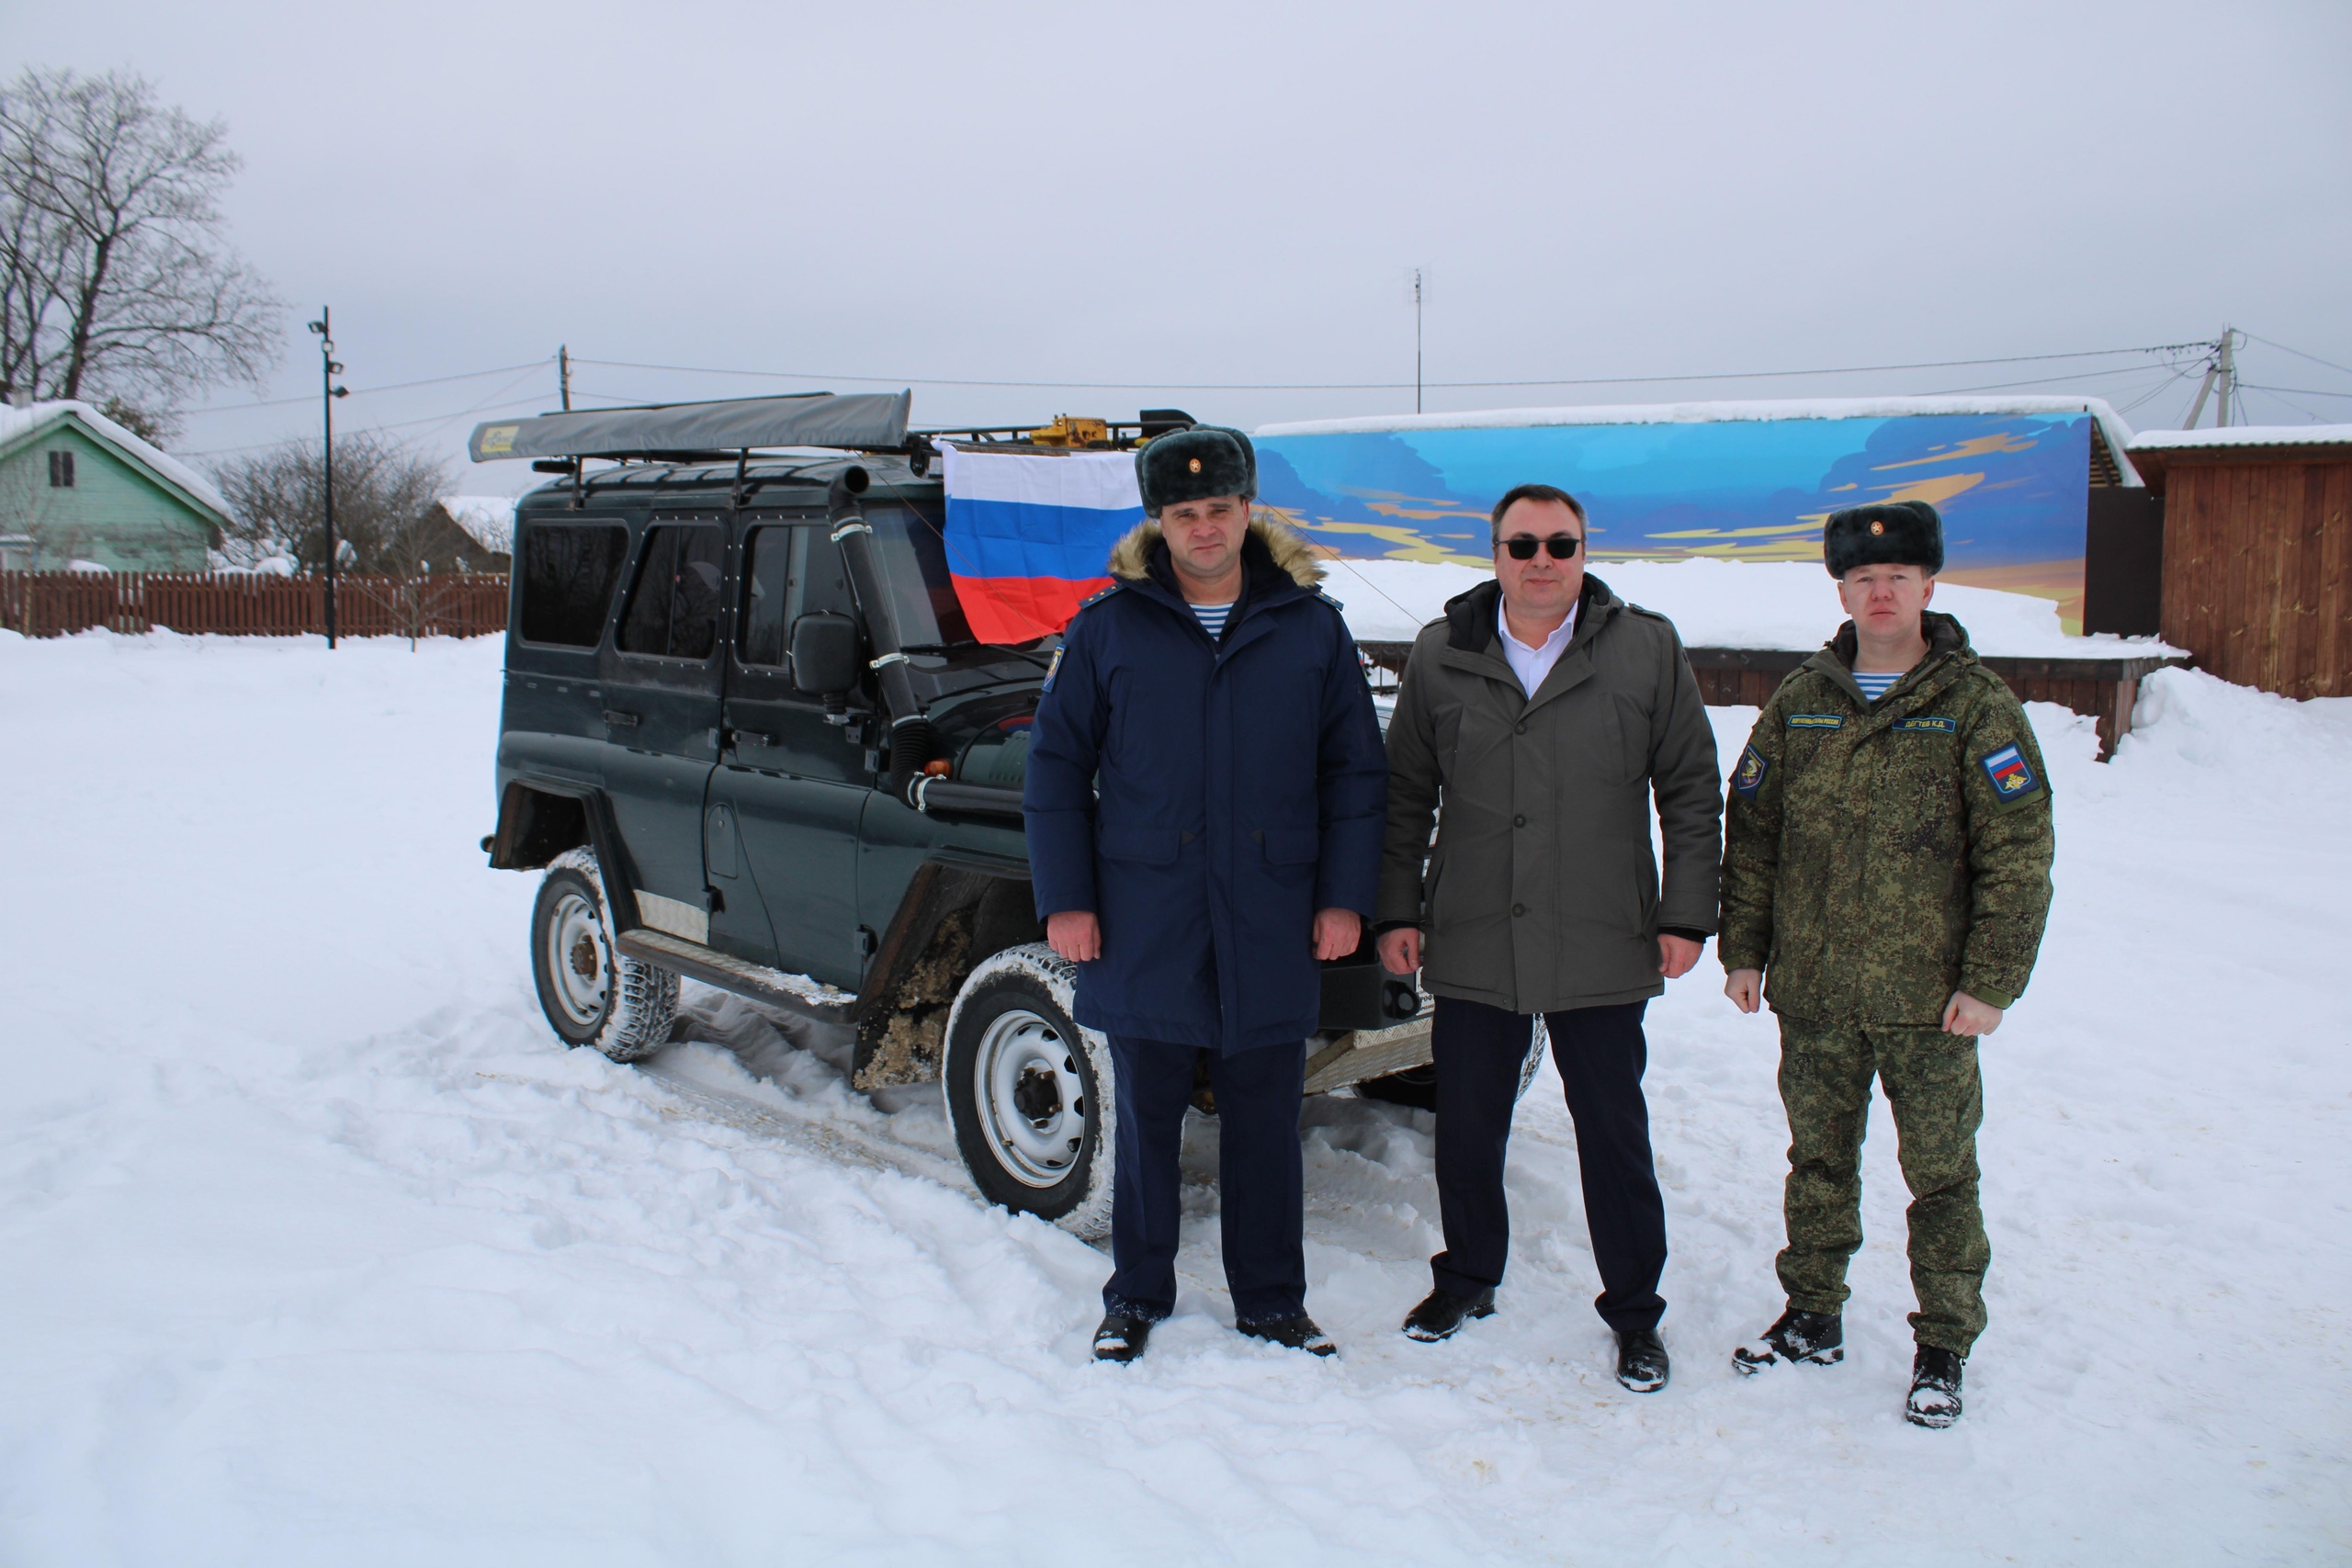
x,y
2011,776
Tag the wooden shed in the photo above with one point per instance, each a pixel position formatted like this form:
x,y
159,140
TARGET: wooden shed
x,y
2257,551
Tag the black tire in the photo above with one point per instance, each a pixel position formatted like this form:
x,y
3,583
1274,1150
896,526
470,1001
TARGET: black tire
x,y
592,994
1417,1086
1414,1086
1030,1093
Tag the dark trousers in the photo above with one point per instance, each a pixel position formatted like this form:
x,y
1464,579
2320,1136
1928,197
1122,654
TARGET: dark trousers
x,y
1601,1053
1260,1205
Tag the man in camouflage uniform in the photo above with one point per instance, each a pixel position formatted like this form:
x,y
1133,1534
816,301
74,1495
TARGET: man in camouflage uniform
x,y
1887,866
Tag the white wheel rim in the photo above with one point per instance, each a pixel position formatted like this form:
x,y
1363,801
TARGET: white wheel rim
x,y
1032,1102
578,960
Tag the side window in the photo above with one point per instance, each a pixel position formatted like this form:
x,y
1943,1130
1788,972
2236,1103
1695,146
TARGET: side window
x,y
568,573
788,571
673,606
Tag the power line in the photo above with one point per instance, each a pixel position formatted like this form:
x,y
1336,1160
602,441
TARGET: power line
x,y
366,392
2299,354
1378,386
398,424
2300,391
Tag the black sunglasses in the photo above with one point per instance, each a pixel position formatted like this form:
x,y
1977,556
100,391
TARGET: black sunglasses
x,y
1561,546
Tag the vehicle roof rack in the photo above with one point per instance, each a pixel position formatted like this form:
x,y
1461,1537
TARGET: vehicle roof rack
x,y
863,421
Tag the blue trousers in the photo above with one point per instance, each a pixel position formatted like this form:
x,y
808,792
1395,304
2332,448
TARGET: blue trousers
x,y
1600,1052
1261,1206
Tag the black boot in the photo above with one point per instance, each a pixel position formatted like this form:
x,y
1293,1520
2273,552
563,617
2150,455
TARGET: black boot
x,y
1641,1361
1935,1388
1120,1337
1292,1334
1441,1312
1818,1338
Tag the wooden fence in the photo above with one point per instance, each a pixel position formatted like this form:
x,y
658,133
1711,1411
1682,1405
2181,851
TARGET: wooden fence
x,y
55,603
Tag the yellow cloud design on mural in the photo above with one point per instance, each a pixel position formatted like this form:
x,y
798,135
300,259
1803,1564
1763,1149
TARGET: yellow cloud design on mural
x,y
1975,446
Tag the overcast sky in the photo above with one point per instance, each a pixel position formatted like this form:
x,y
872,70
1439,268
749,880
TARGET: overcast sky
x,y
1176,194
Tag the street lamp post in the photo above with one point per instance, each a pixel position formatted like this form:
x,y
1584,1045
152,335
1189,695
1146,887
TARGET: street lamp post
x,y
328,393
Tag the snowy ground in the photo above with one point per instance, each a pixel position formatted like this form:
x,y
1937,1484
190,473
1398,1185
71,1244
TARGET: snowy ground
x,y
316,1248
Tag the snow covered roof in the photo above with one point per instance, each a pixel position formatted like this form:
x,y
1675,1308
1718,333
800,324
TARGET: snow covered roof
x,y
19,425
2111,424
2243,435
490,519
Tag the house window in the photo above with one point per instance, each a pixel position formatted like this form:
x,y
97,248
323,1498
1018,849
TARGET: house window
x,y
61,470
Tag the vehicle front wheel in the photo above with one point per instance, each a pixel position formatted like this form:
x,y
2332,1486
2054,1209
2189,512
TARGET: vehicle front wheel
x,y
1030,1092
592,992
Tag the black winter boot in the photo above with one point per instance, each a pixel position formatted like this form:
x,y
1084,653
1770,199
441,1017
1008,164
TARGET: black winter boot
x,y
1641,1361
1441,1312
1935,1388
1292,1334
1818,1338
1120,1337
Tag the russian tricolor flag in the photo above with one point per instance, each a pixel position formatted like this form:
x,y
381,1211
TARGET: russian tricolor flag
x,y
1029,535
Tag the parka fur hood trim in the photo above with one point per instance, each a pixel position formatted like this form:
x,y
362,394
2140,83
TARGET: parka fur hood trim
x,y
1131,558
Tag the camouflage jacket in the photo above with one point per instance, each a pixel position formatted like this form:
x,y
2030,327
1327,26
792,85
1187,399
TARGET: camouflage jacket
x,y
1879,857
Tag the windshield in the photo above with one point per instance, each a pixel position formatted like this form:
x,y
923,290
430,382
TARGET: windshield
x,y
912,555
913,558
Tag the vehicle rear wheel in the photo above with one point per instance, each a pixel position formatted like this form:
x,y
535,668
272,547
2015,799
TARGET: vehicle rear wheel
x,y
1417,1086
592,994
1029,1092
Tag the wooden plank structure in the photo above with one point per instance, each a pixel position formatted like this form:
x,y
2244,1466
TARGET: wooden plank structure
x,y
58,603
2257,552
2104,689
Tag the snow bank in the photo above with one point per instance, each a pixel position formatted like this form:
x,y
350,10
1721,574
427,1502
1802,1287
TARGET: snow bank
x,y
319,1248
1714,603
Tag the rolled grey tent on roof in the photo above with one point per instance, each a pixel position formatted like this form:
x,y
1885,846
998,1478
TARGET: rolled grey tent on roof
x,y
858,421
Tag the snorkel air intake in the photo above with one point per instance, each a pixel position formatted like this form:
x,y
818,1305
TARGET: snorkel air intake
x,y
911,741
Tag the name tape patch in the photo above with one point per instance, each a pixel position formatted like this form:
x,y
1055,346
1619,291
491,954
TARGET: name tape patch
x,y
2011,778
1748,777
1816,721
1936,726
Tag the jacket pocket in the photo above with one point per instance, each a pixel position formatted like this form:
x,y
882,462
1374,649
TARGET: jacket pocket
x,y
1292,846
1142,846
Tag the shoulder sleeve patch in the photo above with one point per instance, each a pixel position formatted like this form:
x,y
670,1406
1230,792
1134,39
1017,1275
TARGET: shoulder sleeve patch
x,y
2010,777
1748,777
1053,670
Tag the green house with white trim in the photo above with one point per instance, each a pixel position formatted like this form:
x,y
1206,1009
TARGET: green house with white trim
x,y
76,489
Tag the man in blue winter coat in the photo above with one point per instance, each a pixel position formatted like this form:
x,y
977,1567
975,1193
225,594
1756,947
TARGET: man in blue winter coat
x,y
1206,794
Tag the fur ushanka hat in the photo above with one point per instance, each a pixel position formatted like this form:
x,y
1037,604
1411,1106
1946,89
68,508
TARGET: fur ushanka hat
x,y
1886,532
1193,465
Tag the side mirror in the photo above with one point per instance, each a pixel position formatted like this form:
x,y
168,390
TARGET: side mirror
x,y
824,654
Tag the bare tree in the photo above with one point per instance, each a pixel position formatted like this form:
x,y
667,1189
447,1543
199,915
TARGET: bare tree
x,y
115,277
387,506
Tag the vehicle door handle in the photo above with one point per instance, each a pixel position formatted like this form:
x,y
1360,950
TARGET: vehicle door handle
x,y
619,720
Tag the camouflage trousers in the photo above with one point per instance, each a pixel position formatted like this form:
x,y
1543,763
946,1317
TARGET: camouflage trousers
x,y
1932,1085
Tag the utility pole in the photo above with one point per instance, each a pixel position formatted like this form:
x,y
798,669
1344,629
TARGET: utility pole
x,y
328,393
563,373
2221,376
1417,340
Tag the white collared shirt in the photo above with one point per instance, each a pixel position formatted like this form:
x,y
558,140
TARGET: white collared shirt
x,y
1532,664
